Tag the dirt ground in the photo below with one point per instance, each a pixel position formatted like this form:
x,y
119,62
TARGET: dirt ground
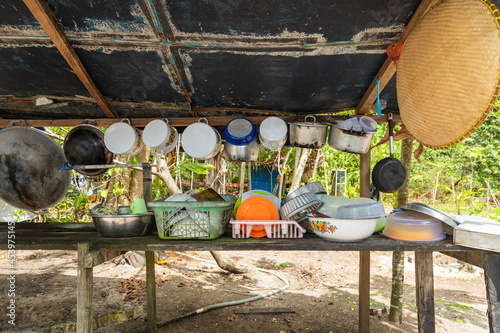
x,y
322,296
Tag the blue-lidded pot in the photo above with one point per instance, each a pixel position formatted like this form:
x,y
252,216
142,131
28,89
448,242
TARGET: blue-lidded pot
x,y
240,132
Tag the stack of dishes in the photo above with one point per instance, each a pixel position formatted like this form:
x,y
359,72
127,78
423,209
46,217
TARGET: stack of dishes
x,y
257,205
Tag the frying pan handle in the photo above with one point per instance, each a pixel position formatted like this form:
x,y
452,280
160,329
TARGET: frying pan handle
x,y
391,135
20,121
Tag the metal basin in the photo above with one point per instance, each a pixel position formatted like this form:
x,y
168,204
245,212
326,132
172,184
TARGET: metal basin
x,y
124,225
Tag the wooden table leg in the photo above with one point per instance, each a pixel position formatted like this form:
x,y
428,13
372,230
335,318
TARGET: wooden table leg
x,y
424,280
151,291
84,291
364,291
492,279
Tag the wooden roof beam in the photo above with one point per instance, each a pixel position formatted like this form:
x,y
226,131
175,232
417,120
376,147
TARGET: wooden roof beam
x,y
388,68
49,23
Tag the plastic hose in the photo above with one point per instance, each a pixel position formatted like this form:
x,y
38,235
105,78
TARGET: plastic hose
x,y
220,305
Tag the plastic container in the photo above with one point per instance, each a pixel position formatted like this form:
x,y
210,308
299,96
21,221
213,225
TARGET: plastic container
x,y
273,133
413,227
206,220
361,211
336,230
273,229
331,205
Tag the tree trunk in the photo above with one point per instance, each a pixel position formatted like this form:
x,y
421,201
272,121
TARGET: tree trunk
x,y
398,276
398,268
227,265
316,162
242,177
165,175
123,181
299,170
136,178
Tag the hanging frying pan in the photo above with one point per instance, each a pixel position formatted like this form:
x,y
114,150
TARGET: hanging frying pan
x,y
389,174
84,145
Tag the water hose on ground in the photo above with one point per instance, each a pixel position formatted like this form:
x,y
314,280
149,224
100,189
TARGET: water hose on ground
x,y
220,305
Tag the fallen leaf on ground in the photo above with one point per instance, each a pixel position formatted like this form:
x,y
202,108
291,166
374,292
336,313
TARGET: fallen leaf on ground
x,y
312,303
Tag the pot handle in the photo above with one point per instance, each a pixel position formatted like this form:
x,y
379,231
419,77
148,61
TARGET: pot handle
x,y
125,120
313,117
20,121
275,146
89,122
159,153
205,119
362,128
391,135
166,121
124,161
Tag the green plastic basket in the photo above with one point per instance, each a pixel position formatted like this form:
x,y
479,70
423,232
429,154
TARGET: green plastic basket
x,y
192,219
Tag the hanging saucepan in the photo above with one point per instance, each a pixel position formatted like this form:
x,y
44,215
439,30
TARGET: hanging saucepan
x,y
29,168
389,174
84,145
308,134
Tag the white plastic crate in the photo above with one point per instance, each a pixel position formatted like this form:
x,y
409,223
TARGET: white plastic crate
x,y
273,228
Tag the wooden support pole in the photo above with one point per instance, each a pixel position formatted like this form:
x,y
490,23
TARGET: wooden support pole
x,y
364,291
364,256
424,280
84,291
146,182
41,11
492,279
150,291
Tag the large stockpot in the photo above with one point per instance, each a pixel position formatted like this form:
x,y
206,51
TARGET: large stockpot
x,y
29,168
350,140
308,134
243,153
84,145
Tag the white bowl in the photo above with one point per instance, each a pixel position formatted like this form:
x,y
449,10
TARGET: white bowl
x,y
336,230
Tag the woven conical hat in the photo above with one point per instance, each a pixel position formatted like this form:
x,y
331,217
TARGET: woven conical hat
x,y
448,72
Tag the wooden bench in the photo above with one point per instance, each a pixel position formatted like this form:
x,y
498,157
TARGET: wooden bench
x,y
94,249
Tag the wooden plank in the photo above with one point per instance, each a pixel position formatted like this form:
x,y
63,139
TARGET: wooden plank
x,y
180,122
424,280
492,279
388,69
151,291
364,291
84,291
41,11
471,257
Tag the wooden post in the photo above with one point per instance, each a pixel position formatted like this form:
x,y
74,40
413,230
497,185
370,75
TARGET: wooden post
x,y
364,256
84,291
424,280
146,182
150,291
492,278
242,177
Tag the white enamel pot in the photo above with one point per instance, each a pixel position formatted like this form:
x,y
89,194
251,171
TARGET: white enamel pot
x,y
200,140
123,139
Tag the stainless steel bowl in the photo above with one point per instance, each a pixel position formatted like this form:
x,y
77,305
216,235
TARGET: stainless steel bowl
x,y
124,225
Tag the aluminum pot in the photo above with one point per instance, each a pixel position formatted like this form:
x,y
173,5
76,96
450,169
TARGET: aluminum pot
x,y
308,134
84,145
350,140
243,153
29,168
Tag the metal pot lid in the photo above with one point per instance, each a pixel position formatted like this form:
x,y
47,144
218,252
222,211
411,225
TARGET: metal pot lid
x,y
309,124
443,217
